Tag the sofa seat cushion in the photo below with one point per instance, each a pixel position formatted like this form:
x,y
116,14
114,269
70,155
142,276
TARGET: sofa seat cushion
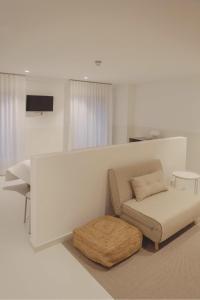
x,y
164,213
107,240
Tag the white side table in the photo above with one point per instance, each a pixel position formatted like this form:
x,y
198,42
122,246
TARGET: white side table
x,y
186,175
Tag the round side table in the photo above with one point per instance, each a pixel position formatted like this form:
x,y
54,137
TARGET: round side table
x,y
186,175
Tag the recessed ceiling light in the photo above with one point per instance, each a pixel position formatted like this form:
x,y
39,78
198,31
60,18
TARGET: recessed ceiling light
x,y
85,77
27,71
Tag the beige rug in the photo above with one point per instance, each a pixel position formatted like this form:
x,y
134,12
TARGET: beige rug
x,y
172,272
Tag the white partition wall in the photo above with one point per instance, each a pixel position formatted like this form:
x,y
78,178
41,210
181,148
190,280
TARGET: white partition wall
x,y
69,189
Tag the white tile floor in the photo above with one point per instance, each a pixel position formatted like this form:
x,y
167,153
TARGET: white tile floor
x,y
49,274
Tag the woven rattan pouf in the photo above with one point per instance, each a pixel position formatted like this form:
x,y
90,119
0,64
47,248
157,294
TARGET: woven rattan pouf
x,y
107,240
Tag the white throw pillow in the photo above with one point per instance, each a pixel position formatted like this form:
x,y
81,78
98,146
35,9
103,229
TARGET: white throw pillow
x,y
147,185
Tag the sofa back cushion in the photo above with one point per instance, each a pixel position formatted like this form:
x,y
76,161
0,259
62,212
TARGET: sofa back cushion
x,y
120,181
148,185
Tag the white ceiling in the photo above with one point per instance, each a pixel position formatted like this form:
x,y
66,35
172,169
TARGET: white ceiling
x,y
137,40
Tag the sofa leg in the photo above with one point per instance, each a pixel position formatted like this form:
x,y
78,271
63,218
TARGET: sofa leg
x,y
156,246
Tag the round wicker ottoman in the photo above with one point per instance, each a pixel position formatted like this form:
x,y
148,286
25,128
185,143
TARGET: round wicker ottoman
x,y
107,240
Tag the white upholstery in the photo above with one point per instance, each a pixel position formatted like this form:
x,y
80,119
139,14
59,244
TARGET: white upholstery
x,y
148,185
166,212
120,181
158,216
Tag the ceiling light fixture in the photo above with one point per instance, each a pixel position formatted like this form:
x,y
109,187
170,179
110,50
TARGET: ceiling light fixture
x,y
85,77
98,62
27,71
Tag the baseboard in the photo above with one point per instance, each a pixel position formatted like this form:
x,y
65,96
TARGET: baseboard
x,y
50,243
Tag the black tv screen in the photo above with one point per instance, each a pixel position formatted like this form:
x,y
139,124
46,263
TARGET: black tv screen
x,y
39,103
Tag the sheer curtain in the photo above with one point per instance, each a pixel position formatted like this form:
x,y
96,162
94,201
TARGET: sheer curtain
x,y
91,114
12,118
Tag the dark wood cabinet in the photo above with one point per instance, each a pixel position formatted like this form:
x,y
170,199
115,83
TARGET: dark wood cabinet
x,y
136,139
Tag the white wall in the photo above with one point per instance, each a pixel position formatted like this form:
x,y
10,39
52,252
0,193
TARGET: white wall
x,y
69,189
44,133
50,132
171,107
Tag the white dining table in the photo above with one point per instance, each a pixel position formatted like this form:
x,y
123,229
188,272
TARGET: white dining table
x,y
21,170
18,179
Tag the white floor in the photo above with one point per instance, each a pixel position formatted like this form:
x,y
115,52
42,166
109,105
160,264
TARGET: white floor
x,y
49,274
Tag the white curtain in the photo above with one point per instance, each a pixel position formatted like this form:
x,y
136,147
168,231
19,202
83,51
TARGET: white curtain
x,y
90,114
12,118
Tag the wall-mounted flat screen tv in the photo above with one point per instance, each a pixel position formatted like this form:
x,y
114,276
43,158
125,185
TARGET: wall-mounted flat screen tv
x,y
39,103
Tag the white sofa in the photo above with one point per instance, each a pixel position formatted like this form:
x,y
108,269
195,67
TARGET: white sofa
x,y
158,216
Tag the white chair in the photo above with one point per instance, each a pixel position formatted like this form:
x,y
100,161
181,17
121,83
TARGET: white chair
x,y
22,188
